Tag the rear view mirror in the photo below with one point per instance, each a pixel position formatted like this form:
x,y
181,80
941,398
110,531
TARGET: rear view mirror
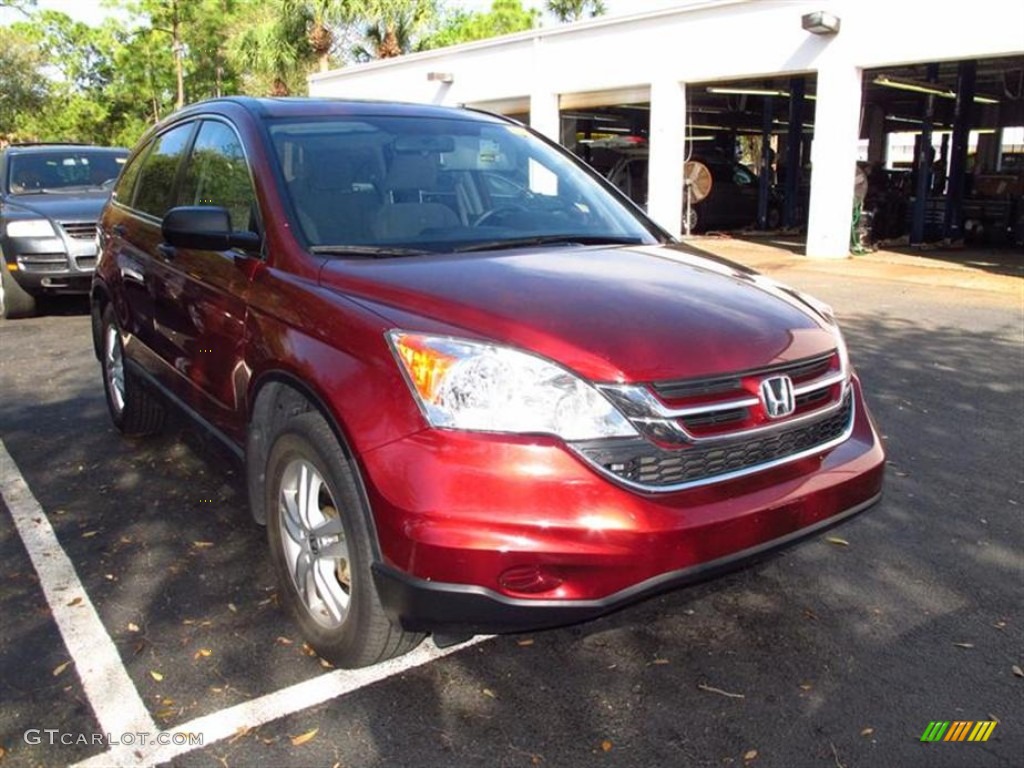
x,y
206,228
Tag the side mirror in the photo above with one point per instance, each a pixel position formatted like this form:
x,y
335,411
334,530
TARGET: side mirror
x,y
205,228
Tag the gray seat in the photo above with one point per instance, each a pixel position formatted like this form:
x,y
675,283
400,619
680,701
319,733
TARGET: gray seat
x,y
332,209
408,211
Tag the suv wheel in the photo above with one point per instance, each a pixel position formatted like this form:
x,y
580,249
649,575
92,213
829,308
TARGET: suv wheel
x,y
318,527
133,409
15,301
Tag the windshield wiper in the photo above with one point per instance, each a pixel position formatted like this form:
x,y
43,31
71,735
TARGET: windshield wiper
x,y
368,251
525,242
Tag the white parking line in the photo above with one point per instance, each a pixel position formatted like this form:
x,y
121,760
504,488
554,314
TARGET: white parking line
x,y
256,712
111,693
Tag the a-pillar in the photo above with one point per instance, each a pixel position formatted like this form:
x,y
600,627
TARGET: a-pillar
x,y
665,166
834,160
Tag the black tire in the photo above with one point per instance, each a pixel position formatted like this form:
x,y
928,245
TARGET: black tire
x,y
15,301
135,410
344,622
774,218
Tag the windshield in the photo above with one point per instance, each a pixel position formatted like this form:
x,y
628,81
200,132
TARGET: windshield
x,y
63,171
436,184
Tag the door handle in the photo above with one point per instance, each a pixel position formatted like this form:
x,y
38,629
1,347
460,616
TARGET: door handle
x,y
167,251
120,230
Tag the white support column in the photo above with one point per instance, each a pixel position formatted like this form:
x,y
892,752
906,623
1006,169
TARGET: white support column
x,y
834,160
665,167
544,115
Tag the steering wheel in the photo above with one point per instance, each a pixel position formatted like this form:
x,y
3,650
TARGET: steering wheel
x,y
501,210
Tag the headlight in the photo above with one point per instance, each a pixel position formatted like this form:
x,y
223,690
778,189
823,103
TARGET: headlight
x,y
462,384
30,228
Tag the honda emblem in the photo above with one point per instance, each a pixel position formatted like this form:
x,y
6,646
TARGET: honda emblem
x,y
777,396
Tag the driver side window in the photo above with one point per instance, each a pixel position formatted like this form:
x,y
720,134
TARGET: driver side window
x,y
217,174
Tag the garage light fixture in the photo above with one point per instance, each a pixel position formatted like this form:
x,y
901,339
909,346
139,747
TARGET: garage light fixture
x,y
747,91
934,89
820,23
441,77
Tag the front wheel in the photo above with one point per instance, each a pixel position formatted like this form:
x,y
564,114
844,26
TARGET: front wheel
x,y
15,301
321,547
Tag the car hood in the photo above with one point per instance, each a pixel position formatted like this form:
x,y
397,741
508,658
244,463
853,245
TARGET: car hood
x,y
613,314
79,206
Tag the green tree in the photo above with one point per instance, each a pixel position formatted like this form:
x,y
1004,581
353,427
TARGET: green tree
x,y
458,26
575,10
22,87
391,27
273,48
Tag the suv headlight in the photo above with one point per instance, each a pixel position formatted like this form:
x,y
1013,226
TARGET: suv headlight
x,y
472,385
30,228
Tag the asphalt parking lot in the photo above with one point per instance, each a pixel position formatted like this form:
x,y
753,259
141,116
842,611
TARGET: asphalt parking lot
x,y
838,653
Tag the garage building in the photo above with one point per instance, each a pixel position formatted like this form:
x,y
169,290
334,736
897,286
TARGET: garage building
x,y
926,99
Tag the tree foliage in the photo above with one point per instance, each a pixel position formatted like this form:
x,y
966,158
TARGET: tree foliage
x,y
21,91
105,83
576,10
505,17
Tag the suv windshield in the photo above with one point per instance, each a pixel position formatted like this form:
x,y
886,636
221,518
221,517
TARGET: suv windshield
x,y
62,170
435,184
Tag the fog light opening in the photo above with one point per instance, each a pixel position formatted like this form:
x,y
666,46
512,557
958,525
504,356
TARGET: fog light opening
x,y
529,579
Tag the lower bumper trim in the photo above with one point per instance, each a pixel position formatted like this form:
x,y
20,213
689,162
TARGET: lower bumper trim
x,y
426,606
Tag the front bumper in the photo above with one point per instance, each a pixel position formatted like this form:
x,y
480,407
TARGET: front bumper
x,y
50,264
463,521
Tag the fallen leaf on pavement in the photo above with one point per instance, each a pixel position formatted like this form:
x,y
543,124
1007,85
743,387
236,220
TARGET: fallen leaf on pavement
x,y
281,640
302,738
133,627
1017,670
156,675
202,544
89,534
606,746
661,662
489,692
524,642
867,731
60,668
720,692
750,755
242,732
203,653
839,542
75,602
232,608
964,645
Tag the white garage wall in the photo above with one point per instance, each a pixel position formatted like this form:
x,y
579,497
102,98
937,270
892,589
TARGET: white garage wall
x,y
699,42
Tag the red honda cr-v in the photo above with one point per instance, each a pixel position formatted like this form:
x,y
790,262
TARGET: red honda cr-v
x,y
474,388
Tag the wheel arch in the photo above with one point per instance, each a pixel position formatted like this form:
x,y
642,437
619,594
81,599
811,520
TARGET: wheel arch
x,y
277,396
99,297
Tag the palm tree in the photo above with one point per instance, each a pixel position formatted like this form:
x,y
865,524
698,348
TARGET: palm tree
x,y
575,10
275,47
391,27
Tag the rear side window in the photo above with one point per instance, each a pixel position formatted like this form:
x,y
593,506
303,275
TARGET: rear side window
x,y
217,174
156,182
126,184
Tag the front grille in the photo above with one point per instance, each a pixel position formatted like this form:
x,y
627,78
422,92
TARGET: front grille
x,y
798,371
43,263
80,230
639,461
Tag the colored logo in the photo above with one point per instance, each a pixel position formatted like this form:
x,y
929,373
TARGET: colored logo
x,y
958,730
